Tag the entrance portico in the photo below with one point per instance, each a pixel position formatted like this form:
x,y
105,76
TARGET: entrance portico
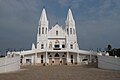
x,y
51,58
57,58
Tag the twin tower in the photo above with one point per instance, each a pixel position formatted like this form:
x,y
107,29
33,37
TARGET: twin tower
x,y
44,33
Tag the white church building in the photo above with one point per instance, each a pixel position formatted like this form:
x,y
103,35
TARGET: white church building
x,y
56,46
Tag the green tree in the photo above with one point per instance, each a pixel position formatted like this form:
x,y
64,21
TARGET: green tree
x,y
109,47
110,50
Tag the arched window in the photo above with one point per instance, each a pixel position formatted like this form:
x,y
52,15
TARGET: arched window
x,y
63,55
73,31
46,31
71,59
57,33
70,30
71,46
42,30
50,55
41,56
56,55
67,31
71,56
63,45
42,46
39,30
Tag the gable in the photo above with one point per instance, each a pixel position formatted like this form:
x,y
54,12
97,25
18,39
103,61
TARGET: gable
x,y
56,31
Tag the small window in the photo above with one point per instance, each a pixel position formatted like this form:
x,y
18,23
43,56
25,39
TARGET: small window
x,y
70,30
56,55
48,53
60,61
71,56
52,61
39,30
21,57
56,46
41,56
56,33
73,31
46,31
67,31
42,46
63,46
63,55
50,56
42,30
71,46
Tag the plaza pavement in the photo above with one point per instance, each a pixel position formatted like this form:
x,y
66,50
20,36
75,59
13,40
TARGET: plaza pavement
x,y
62,72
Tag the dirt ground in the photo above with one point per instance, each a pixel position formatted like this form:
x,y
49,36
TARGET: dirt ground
x,y
62,72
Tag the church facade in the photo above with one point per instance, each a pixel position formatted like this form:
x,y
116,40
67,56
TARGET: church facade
x,y
55,46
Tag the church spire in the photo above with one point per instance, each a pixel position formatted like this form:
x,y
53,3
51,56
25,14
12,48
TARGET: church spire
x,y
43,23
43,17
70,23
69,16
70,20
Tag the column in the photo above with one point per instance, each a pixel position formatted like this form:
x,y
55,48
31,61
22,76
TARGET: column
x,y
35,58
23,60
46,57
68,60
90,58
78,58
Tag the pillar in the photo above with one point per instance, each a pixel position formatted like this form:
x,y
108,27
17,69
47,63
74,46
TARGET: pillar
x,y
35,58
68,60
46,58
78,58
23,60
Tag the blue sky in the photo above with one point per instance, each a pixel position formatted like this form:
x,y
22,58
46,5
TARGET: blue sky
x,y
97,21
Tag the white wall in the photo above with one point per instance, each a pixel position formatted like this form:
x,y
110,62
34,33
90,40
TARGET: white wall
x,y
9,64
109,62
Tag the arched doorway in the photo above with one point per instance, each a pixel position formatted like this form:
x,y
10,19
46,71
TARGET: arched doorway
x,y
72,59
57,59
42,59
56,55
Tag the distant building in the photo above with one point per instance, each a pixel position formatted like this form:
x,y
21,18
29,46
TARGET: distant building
x,y
56,45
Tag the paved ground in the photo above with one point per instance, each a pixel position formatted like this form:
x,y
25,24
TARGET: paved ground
x,y
61,73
